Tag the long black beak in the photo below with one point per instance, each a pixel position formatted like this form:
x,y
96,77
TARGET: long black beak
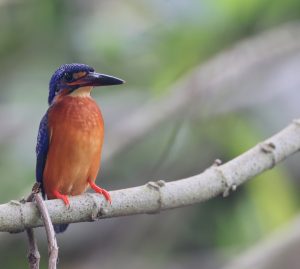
x,y
96,79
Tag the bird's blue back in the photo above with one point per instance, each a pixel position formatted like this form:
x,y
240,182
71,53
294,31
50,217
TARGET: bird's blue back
x,y
42,147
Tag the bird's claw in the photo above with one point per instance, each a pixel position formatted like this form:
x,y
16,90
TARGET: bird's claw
x,y
97,189
62,197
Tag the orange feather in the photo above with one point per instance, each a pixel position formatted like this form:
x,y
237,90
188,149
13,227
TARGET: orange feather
x,y
76,130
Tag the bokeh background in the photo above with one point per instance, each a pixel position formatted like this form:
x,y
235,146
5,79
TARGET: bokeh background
x,y
205,80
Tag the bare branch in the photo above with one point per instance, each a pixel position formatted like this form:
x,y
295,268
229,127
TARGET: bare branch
x,y
52,243
156,196
33,252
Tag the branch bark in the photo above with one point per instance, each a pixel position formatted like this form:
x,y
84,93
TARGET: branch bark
x,y
33,251
156,196
52,243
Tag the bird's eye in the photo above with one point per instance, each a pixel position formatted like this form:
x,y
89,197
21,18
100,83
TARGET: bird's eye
x,y
68,77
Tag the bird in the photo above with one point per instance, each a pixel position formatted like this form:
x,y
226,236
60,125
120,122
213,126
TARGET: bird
x,y
70,136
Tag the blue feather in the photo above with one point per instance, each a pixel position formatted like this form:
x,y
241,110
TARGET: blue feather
x,y
58,75
43,138
42,150
42,147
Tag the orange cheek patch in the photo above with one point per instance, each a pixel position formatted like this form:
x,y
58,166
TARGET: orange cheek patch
x,y
79,75
61,94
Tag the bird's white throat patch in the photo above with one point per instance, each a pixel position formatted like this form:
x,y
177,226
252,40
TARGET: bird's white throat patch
x,y
82,92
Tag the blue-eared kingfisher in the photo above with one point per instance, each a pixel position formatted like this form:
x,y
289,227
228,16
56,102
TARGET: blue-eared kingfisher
x,y
71,133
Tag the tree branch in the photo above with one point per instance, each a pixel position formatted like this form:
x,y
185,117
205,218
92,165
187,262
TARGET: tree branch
x,y
156,196
33,251
52,243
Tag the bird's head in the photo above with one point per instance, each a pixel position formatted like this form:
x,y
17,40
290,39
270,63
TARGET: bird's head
x,y
77,78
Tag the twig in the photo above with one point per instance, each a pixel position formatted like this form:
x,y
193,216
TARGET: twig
x,y
52,243
34,255
33,252
156,196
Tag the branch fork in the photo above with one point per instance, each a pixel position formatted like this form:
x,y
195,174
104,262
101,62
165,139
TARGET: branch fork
x,y
34,255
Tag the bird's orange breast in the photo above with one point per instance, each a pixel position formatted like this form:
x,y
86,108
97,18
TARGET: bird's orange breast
x,y
76,133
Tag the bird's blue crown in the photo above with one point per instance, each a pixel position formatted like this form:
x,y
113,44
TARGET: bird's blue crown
x,y
58,75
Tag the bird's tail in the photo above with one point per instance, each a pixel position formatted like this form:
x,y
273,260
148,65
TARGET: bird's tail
x,y
60,228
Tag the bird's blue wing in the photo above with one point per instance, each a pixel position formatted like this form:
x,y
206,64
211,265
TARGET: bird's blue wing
x,y
42,147
42,150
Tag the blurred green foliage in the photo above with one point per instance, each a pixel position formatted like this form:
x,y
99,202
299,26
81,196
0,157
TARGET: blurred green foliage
x,y
151,44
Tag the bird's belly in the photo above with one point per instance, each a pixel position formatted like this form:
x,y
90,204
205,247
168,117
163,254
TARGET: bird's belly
x,y
74,153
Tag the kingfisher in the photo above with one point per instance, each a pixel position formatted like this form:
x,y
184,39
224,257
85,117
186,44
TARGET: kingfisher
x,y
70,136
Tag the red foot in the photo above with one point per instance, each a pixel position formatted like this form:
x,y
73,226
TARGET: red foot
x,y
97,189
62,197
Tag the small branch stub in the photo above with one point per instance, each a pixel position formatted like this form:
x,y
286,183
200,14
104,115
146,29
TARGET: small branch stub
x,y
157,185
269,148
